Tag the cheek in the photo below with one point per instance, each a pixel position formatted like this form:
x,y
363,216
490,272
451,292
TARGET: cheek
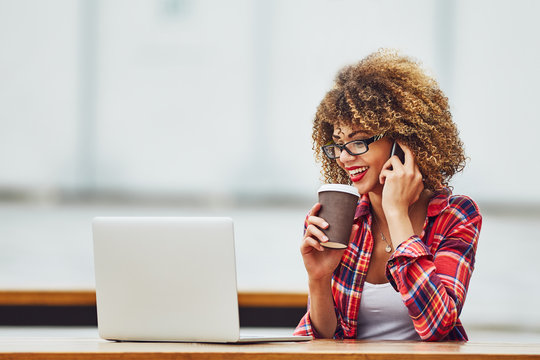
x,y
380,162
379,157
376,165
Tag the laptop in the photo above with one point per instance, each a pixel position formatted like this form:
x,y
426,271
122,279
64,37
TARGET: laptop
x,y
168,279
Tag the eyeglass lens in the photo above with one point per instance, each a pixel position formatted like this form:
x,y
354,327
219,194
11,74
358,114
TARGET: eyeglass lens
x,y
354,147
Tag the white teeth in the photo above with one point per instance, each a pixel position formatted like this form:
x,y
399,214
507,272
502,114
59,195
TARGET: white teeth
x,y
358,170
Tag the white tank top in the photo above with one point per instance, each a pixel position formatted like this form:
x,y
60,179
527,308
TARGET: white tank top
x,y
383,315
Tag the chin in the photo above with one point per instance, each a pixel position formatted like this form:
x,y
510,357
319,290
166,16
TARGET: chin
x,y
362,188
365,186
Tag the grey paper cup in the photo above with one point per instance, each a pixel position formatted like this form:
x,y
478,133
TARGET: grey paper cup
x,y
338,205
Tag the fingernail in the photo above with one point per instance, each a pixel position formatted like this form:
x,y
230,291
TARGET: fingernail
x,y
325,238
325,224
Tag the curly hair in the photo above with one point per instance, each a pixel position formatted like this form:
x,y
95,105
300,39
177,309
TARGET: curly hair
x,y
391,94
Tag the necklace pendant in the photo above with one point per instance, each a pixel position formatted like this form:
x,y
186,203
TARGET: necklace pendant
x,y
388,248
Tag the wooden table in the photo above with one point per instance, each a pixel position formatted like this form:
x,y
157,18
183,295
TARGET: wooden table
x,y
91,348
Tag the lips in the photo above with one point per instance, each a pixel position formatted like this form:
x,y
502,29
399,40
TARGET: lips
x,y
356,173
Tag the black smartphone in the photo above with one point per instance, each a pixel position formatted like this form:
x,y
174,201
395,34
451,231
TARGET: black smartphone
x,y
398,151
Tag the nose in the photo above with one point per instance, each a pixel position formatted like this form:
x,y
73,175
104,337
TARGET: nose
x,y
345,156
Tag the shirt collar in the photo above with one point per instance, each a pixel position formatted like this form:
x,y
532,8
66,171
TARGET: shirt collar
x,y
362,209
437,203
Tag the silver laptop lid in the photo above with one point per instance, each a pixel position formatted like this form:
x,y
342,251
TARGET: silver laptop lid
x,y
166,279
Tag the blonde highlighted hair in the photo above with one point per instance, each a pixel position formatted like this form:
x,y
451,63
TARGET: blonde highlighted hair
x,y
391,94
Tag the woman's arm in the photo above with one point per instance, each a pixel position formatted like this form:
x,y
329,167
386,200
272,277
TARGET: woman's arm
x,y
320,262
434,286
322,312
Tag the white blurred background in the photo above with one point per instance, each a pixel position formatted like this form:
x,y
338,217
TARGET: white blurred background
x,y
185,107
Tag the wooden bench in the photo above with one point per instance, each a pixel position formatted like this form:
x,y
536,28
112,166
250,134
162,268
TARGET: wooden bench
x,y
78,307
88,298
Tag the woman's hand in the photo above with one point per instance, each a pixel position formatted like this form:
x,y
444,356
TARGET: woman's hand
x,y
402,184
320,262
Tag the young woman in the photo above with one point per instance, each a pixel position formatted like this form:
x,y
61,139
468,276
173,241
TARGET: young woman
x,y
405,273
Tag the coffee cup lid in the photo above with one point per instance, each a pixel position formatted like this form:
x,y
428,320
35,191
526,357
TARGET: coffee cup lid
x,y
340,187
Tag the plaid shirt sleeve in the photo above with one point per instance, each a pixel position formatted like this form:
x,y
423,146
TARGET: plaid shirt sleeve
x,y
433,279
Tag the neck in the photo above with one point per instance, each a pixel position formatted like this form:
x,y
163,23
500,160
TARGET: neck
x,y
375,198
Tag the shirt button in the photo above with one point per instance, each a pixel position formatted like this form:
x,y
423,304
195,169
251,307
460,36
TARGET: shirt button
x,y
390,262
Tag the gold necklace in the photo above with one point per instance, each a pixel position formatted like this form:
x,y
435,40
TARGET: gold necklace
x,y
388,247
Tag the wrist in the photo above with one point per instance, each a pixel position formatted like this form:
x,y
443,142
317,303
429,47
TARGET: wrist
x,y
321,284
396,214
400,228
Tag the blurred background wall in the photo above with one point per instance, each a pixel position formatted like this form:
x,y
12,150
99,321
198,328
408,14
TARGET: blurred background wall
x,y
184,107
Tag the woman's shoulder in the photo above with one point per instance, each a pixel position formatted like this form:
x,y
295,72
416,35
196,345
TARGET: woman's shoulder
x,y
444,202
464,204
461,215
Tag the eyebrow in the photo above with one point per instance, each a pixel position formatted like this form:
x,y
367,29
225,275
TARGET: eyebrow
x,y
351,134
357,132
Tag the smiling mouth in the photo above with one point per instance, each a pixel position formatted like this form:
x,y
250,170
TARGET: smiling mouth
x,y
357,173
358,170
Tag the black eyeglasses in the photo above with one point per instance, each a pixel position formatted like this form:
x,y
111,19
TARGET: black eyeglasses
x,y
355,147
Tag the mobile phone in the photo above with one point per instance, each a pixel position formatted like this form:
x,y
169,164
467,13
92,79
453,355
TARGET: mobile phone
x,y
398,151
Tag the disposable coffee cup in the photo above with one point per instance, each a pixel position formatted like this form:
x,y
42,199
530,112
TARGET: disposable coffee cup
x,y
338,206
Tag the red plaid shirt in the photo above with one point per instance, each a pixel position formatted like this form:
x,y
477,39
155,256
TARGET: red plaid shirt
x,y
431,272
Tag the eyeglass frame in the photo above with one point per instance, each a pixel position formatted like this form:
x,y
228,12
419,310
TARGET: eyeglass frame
x,y
344,146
